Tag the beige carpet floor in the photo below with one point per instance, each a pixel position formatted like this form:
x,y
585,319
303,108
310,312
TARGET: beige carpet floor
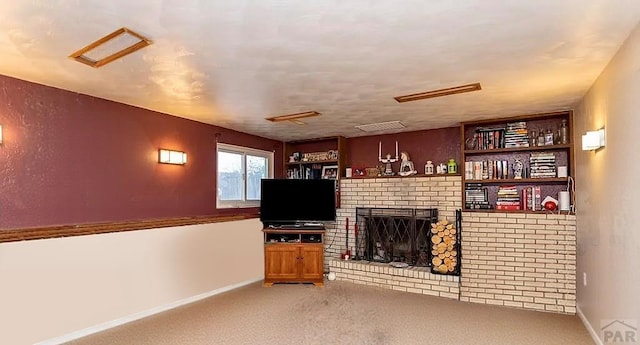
x,y
342,313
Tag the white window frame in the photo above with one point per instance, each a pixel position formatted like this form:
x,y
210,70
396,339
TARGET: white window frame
x,y
244,151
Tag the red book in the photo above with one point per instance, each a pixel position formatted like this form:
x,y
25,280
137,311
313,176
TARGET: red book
x,y
508,207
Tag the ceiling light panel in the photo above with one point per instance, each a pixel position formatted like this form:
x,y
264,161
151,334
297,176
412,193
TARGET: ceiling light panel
x,y
381,126
109,48
292,117
439,93
114,45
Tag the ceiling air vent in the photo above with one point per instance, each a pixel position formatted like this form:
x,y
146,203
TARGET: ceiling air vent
x,y
381,126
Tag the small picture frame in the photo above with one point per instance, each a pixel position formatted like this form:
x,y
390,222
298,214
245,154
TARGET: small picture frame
x,y
330,172
296,156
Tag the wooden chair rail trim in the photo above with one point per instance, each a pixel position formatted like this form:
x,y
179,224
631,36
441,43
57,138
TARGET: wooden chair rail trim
x,y
39,233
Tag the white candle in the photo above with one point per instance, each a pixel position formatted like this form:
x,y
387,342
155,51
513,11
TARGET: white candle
x,y
379,150
396,149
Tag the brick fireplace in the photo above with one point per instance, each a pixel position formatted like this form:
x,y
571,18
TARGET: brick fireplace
x,y
510,259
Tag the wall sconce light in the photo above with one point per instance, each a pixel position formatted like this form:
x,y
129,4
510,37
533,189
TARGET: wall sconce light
x,y
593,140
172,157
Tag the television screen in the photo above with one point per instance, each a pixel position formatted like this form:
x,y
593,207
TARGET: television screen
x,y
287,201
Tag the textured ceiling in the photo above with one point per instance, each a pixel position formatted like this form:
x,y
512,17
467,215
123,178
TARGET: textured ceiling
x,y
233,63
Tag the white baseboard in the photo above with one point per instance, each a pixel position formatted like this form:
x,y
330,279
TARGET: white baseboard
x,y
121,321
589,328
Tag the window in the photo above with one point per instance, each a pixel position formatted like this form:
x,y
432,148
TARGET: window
x,y
240,170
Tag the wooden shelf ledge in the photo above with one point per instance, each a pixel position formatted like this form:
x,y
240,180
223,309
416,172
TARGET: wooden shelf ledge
x,y
39,233
398,176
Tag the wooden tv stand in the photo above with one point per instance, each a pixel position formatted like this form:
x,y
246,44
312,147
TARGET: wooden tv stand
x,y
293,256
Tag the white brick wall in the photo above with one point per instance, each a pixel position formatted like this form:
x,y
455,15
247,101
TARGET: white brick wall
x,y
412,279
511,259
441,192
519,260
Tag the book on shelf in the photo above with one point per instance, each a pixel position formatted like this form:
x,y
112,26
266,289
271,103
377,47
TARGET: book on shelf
x,y
508,207
308,173
473,170
487,170
489,138
531,198
478,205
516,135
526,195
508,198
476,196
542,165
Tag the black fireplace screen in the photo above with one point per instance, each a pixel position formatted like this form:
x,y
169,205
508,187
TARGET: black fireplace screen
x,y
394,235
408,236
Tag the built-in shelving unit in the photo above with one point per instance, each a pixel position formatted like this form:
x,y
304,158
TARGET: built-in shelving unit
x,y
492,148
316,158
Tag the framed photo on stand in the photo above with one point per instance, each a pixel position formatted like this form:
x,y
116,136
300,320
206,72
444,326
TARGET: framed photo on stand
x,y
359,172
330,172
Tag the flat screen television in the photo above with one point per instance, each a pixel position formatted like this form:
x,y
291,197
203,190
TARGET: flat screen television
x,y
294,201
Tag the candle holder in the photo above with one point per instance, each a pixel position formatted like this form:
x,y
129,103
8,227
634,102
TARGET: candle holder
x,y
388,171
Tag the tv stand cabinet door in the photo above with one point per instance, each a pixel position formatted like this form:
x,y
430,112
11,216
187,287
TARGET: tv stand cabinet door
x,y
280,263
312,263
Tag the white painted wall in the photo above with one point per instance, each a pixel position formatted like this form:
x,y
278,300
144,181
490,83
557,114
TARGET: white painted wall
x,y
608,192
49,288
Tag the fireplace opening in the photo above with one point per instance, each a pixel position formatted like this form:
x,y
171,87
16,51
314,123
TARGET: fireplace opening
x,y
409,237
395,235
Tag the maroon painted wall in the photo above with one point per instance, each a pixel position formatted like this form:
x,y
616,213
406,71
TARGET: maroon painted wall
x,y
69,158
436,145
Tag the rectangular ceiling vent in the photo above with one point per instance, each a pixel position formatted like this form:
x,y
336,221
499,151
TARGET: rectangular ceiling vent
x,y
439,93
109,48
381,126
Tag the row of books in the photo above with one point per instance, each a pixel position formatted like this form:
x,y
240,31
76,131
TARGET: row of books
x,y
476,196
515,134
489,169
531,198
490,138
307,173
541,165
508,198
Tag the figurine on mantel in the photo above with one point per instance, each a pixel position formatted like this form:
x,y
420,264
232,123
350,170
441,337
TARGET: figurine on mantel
x,y
406,165
388,171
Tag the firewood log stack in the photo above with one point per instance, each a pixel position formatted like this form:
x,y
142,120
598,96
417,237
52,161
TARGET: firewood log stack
x,y
443,247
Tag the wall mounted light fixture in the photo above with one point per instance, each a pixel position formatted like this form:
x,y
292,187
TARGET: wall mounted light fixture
x,y
172,157
593,140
